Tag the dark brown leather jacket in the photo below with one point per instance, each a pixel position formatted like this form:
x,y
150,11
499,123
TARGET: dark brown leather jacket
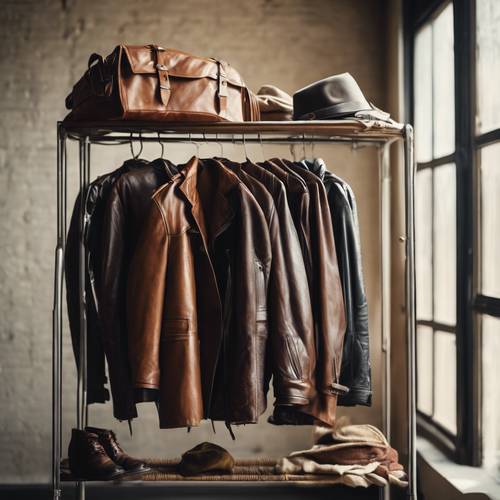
x,y
197,298
127,206
291,328
355,372
328,300
309,205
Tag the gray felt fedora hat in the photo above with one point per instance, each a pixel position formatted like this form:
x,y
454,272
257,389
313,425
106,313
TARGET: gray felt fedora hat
x,y
337,96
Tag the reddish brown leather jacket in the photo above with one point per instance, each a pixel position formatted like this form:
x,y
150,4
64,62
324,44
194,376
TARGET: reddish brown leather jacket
x,y
197,299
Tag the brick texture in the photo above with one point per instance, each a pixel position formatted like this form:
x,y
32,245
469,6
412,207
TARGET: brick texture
x,y
44,46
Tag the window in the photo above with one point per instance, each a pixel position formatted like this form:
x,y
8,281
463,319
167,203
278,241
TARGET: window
x,y
454,69
487,156
435,222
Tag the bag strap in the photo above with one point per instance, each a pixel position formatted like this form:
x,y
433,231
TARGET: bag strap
x,y
222,87
162,72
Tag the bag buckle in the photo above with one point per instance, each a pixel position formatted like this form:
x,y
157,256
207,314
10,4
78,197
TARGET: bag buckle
x,y
222,87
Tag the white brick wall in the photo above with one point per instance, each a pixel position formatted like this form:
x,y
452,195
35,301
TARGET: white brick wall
x,y
44,46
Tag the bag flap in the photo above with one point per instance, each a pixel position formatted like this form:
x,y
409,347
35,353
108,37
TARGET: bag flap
x,y
179,64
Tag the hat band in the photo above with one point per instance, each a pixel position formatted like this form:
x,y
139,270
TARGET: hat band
x,y
336,110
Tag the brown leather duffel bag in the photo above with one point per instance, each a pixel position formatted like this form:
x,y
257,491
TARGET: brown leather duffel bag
x,y
149,82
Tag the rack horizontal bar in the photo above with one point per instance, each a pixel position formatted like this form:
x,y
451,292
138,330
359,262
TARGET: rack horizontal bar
x,y
326,130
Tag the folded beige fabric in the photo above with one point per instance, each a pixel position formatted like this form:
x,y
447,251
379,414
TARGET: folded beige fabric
x,y
356,455
361,434
274,103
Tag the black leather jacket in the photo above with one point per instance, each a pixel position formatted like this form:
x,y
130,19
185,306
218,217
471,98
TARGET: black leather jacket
x,y
95,202
355,369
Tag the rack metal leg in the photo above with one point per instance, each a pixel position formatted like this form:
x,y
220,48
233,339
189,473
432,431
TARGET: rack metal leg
x,y
82,407
385,266
409,167
57,324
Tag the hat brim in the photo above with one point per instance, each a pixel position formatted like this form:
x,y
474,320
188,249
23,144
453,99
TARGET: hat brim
x,y
343,110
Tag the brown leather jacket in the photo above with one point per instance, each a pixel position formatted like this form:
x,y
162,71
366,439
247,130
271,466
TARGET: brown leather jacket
x,y
291,327
309,208
328,300
197,299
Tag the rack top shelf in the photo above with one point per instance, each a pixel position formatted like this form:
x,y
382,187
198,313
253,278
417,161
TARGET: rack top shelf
x,y
356,130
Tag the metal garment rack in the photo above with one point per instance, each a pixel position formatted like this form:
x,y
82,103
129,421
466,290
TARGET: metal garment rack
x,y
350,132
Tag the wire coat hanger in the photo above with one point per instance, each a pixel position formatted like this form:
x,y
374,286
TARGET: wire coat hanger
x,y
162,146
245,146
195,144
134,156
261,147
220,145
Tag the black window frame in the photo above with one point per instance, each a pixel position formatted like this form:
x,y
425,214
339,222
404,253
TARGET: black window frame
x,y
465,446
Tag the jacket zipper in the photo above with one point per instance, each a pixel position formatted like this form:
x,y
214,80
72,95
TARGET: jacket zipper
x,y
261,286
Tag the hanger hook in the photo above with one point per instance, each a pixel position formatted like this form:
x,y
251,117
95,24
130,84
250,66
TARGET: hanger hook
x,y
292,150
220,145
135,156
261,147
142,144
304,145
195,144
161,145
245,146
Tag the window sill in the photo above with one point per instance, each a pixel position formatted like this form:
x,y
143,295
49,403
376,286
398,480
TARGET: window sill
x,y
440,478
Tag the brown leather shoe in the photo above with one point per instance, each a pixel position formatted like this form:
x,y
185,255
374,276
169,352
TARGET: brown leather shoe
x,y
107,438
89,460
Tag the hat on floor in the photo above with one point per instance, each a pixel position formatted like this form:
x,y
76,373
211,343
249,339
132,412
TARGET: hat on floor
x,y
205,457
335,97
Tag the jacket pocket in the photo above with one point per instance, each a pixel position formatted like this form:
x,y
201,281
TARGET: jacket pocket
x,y
293,357
180,389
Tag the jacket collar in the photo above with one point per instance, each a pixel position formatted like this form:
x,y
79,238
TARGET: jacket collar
x,y
316,166
203,179
163,165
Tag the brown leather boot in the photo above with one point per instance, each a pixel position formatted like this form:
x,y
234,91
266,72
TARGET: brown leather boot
x,y
107,438
89,460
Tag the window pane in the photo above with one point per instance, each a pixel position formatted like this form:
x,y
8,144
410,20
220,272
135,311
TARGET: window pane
x,y
444,84
491,394
445,380
423,94
424,369
423,243
488,64
445,244
490,223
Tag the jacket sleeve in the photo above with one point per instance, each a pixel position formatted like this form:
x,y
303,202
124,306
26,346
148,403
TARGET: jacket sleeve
x,y
71,276
291,323
145,300
112,304
331,309
356,370
96,375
